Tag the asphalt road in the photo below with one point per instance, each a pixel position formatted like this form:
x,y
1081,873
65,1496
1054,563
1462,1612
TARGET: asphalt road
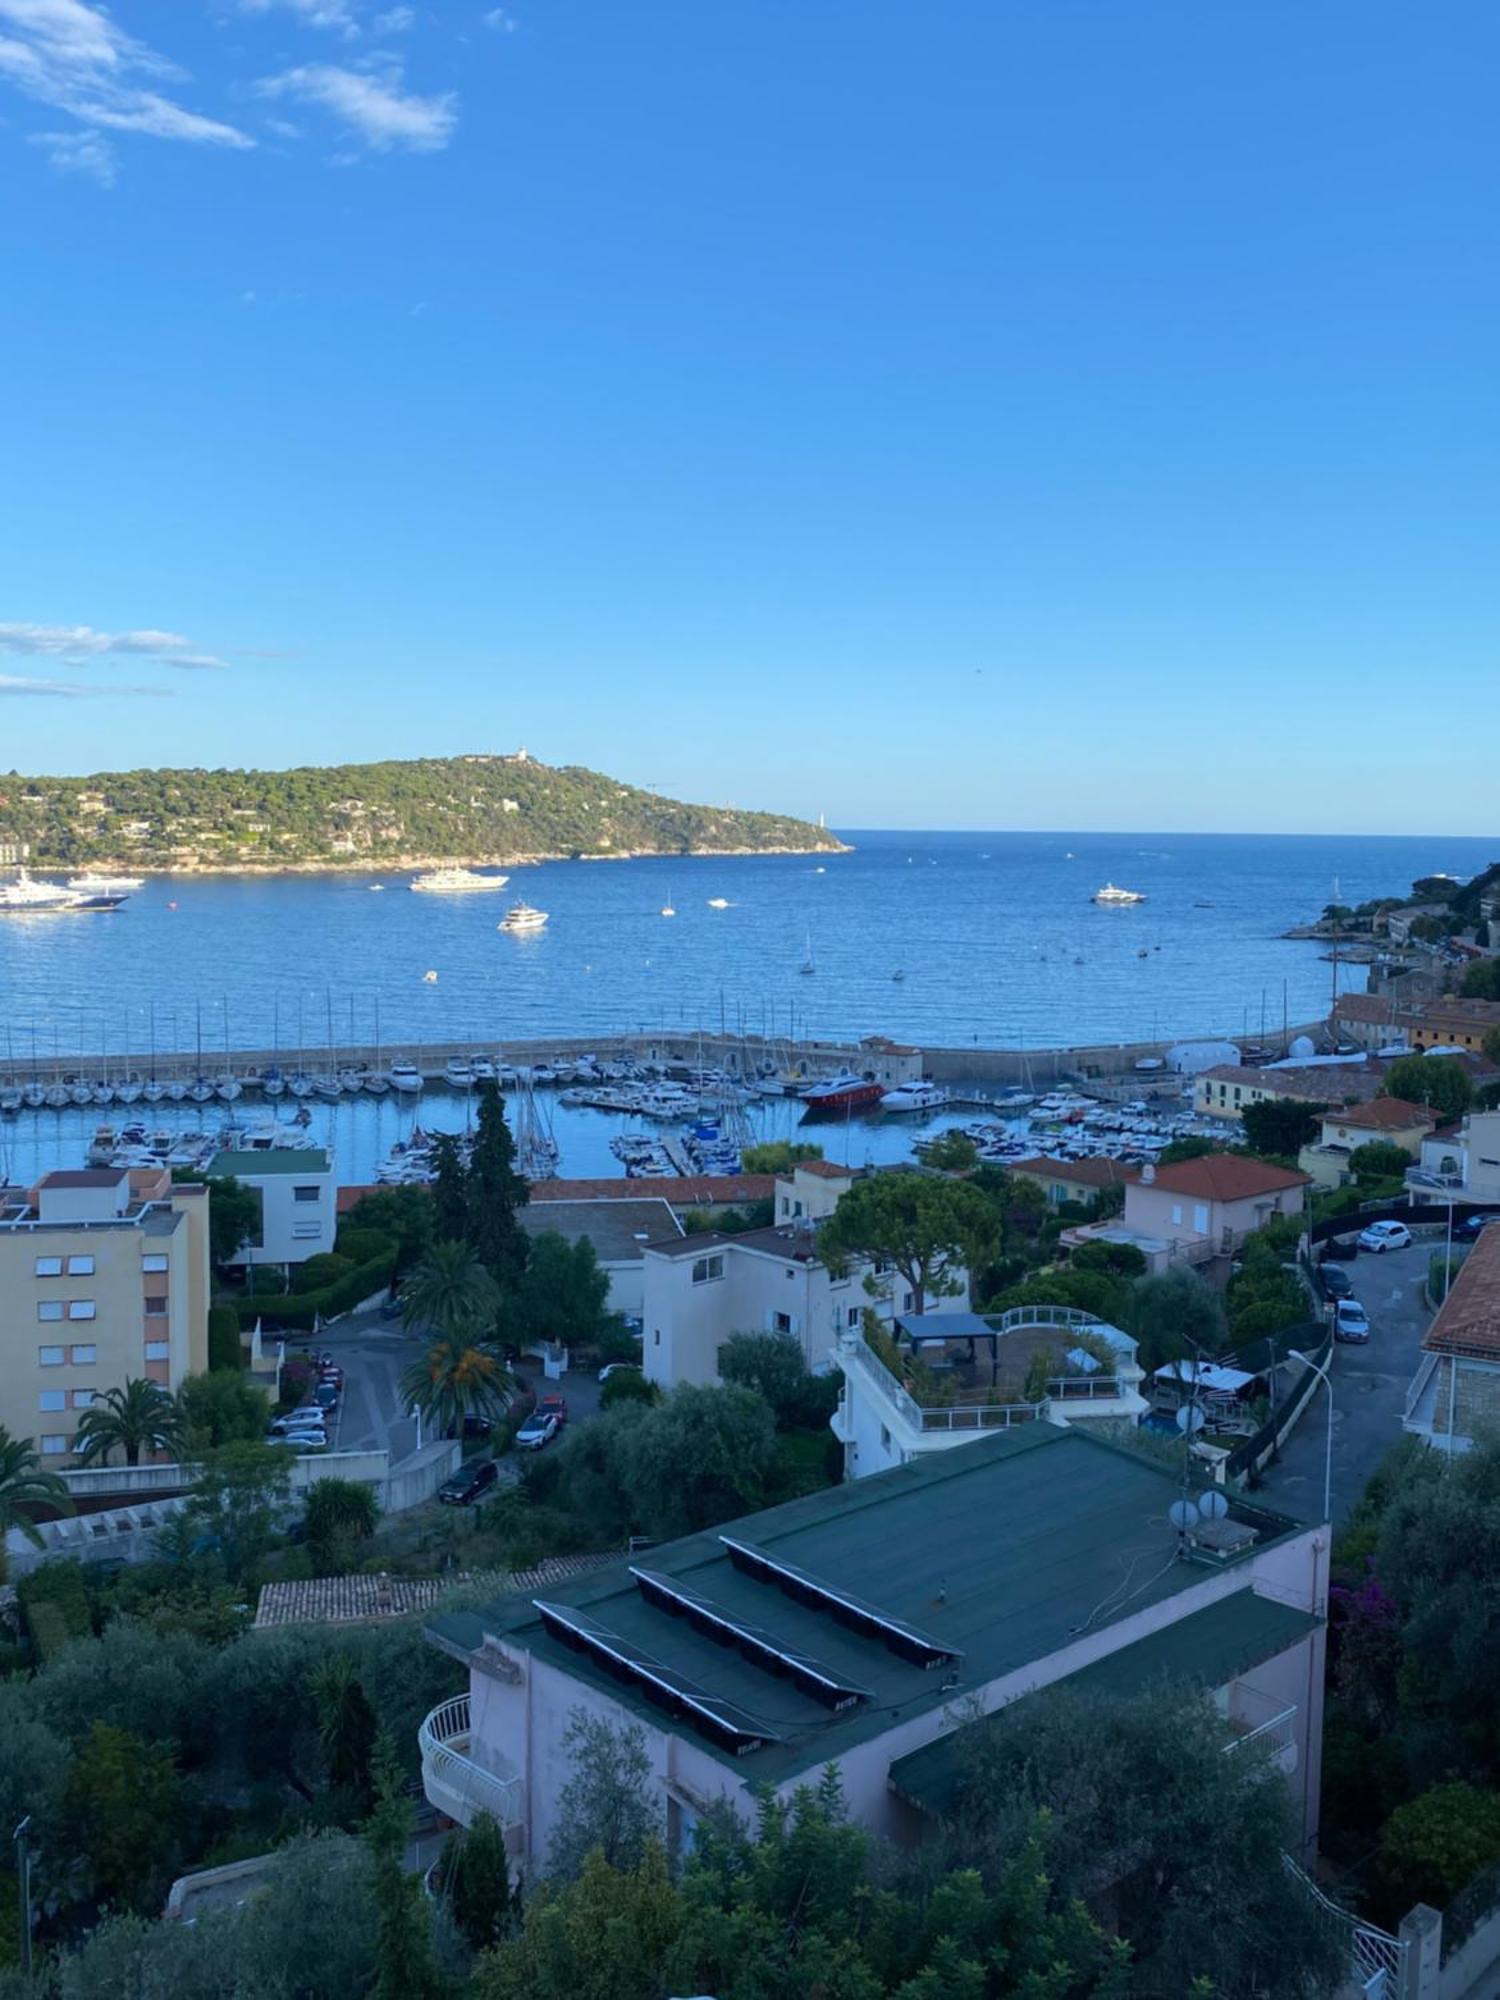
x,y
1369,1389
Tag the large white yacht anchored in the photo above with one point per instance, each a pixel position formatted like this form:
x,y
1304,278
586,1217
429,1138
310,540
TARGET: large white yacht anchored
x,y
456,881
522,917
1110,894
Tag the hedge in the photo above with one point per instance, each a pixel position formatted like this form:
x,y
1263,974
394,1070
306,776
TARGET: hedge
x,y
224,1350
299,1310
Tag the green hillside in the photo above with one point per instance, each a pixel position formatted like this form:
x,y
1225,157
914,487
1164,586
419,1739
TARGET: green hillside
x,y
469,809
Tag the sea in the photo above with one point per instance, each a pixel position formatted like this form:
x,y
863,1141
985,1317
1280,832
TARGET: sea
x,y
949,939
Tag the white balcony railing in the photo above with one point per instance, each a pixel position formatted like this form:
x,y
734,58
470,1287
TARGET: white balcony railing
x,y
1257,1718
454,1782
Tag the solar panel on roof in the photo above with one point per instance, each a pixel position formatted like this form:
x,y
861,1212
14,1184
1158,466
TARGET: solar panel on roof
x,y
722,1722
905,1641
761,1648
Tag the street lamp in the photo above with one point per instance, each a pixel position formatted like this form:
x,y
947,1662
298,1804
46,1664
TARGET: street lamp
x,y
1296,1354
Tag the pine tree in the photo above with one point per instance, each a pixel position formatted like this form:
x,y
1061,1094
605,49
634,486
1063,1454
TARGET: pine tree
x,y
476,1872
495,1192
450,1192
405,1969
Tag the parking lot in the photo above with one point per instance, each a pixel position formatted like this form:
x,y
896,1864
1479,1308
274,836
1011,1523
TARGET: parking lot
x,y
1369,1388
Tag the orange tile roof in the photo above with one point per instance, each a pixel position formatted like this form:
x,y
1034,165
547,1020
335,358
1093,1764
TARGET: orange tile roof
x,y
684,1191
1097,1172
1225,1177
1468,1320
1383,1114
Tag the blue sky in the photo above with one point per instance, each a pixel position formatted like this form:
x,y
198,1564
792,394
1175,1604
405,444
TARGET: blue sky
x,y
982,414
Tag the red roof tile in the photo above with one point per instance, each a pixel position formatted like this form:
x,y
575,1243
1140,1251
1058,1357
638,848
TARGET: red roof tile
x,y
1468,1320
1225,1177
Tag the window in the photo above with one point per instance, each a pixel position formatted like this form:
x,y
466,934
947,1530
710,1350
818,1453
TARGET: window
x,y
83,1397
49,1309
781,1322
53,1446
885,1438
786,1206
854,1315
81,1309
158,1350
52,1399
80,1267
656,1336
156,1302
311,1192
306,1231
85,1356
49,1267
706,1269
1177,1211
154,1262
796,1208
1200,1217
50,1357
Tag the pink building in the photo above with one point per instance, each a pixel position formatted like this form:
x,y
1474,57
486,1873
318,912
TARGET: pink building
x,y
1199,1211
869,1624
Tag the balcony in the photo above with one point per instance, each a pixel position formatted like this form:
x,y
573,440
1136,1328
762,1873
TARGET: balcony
x,y
1258,1718
458,1786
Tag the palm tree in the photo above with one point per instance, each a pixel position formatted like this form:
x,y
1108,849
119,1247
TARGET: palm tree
x,y
140,1417
451,1294
24,1485
453,1381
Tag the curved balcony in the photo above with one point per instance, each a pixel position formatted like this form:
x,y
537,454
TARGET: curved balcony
x,y
454,1783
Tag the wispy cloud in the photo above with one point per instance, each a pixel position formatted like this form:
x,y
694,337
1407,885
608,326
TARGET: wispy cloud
x,y
339,15
81,153
78,643
394,21
14,684
373,103
502,22
71,56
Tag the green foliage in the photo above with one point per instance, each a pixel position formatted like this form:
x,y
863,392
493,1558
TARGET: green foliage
x,y
55,1599
404,1214
1280,1126
346,1730
930,1229
777,1156
1481,981
25,1488
605,1936
1439,1082
451,1295
1115,1260
221,1408
405,1968
440,807
1435,1845
341,1514
1173,1314
316,1274
562,1296
1491,1046
234,1213
138,1416
224,1347
452,1381
774,1365
1085,1290
606,1805
237,1504
1263,1296
475,1874
952,1152
1187,1149
626,1385
122,1807
495,1192
362,1245
1379,1160
304,1309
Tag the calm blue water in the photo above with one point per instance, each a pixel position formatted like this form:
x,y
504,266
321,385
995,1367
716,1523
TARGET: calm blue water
x,y
995,933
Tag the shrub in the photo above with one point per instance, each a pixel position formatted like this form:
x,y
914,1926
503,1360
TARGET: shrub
x,y
360,1246
224,1349
55,1600
1435,1845
319,1273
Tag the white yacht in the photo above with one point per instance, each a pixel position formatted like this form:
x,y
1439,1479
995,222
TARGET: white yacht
x,y
25,897
94,884
405,1076
456,882
458,1074
1117,897
484,1069
521,917
915,1097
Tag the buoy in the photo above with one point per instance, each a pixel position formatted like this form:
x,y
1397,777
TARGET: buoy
x,y
171,906
430,978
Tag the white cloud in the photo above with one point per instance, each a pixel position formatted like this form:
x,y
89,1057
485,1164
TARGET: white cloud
x,y
373,104
81,153
14,684
78,643
394,21
502,22
71,56
337,14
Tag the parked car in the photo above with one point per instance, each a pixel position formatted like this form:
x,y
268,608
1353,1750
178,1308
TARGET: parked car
x,y
1335,1281
1473,1225
466,1485
1351,1322
305,1418
1342,1249
554,1406
1385,1236
539,1428
300,1440
326,1396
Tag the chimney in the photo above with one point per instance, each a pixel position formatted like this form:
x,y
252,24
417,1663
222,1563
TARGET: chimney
x,y
1148,1172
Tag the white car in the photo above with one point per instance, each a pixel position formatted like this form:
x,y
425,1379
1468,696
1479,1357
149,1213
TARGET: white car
x,y
538,1429
1385,1236
301,1440
1351,1322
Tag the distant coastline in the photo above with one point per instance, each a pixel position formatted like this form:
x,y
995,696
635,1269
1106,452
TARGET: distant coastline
x,y
401,864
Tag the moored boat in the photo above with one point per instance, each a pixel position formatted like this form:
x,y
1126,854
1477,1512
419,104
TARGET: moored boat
x,y
832,1096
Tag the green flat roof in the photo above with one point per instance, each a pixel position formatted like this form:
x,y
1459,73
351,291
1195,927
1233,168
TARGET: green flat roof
x,y
274,1160
1205,1649
1001,1549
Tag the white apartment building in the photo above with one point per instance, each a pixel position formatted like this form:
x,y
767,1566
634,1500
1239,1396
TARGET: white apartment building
x,y
1459,1164
104,1278
698,1290
961,1376
298,1202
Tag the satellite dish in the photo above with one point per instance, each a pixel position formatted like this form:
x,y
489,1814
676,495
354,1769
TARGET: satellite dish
x,y
1212,1505
1183,1514
1189,1419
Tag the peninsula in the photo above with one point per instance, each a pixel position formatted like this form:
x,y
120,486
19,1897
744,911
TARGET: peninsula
x,y
478,808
